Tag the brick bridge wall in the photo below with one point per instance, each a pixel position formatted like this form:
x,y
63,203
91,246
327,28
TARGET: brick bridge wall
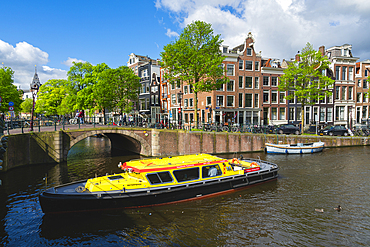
x,y
53,147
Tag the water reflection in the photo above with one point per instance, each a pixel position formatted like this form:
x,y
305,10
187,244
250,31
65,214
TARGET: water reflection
x,y
278,213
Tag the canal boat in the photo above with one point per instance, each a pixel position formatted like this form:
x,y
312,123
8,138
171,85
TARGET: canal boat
x,y
299,148
159,181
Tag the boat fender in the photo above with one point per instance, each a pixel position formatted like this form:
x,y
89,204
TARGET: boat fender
x,y
235,160
80,189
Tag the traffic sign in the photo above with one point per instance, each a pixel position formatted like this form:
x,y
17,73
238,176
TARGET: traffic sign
x,y
11,108
11,103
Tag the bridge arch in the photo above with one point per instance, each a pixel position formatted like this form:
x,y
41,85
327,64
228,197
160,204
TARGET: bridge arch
x,y
120,139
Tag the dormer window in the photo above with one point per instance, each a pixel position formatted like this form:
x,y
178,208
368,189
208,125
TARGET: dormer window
x,y
224,49
345,52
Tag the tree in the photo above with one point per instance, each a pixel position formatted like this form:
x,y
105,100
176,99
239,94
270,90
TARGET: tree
x,y
8,91
117,88
52,98
305,80
26,105
195,58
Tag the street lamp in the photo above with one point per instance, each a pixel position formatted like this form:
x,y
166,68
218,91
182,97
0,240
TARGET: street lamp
x,y
35,85
179,97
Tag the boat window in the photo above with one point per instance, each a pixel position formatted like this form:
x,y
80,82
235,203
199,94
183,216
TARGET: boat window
x,y
211,171
115,177
187,174
160,177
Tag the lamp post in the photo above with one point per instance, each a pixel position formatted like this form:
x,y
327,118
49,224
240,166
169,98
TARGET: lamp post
x,y
179,97
35,85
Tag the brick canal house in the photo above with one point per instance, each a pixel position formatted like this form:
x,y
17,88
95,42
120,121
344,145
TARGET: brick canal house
x,y
343,64
362,90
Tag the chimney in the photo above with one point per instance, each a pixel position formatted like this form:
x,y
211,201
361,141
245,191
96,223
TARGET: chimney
x,y
322,50
297,57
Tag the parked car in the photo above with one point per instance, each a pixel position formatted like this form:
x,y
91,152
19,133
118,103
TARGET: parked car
x,y
287,129
336,130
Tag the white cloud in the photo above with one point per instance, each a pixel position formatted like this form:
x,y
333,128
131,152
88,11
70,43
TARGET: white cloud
x,y
170,33
69,61
22,60
281,27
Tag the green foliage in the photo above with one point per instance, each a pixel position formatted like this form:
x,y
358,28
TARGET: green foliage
x,y
305,78
54,98
117,89
8,91
195,58
26,106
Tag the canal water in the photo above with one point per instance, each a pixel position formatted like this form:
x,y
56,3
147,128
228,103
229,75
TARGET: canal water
x,y
278,213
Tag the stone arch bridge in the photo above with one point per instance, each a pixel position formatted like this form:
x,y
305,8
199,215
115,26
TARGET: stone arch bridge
x,y
53,146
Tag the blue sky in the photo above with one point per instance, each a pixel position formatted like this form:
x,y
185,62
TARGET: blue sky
x,y
52,34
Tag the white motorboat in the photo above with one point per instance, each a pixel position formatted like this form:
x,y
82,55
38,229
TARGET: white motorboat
x,y
299,148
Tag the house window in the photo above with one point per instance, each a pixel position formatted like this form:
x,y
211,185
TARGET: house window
x,y
191,88
358,99
273,113
191,102
240,81
339,113
344,73
186,102
240,100
249,52
366,71
256,100
248,82
219,100
265,80
257,65
322,114
274,81
364,111
329,114
350,92
265,96
209,100
350,73
173,98
274,97
344,93
364,98
337,92
291,113
248,65
241,64
365,83
359,83
230,69
282,113
185,89
299,113
230,100
337,69
230,86
282,98
248,100
221,88
256,82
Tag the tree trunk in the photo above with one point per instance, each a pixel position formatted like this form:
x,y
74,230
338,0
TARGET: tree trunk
x,y
196,109
302,125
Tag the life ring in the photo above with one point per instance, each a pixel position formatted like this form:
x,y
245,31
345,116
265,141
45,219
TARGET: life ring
x,y
235,160
254,164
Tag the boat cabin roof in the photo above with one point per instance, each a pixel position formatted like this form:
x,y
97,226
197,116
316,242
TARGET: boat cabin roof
x,y
171,163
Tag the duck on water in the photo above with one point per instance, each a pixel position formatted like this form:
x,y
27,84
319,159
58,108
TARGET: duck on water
x,y
150,182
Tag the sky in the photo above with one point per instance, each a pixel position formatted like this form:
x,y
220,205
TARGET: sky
x,y
53,34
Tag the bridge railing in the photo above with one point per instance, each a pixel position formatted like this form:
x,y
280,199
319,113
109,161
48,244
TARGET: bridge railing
x,y
17,125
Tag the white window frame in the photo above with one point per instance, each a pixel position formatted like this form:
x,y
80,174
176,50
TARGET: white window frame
x,y
227,100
